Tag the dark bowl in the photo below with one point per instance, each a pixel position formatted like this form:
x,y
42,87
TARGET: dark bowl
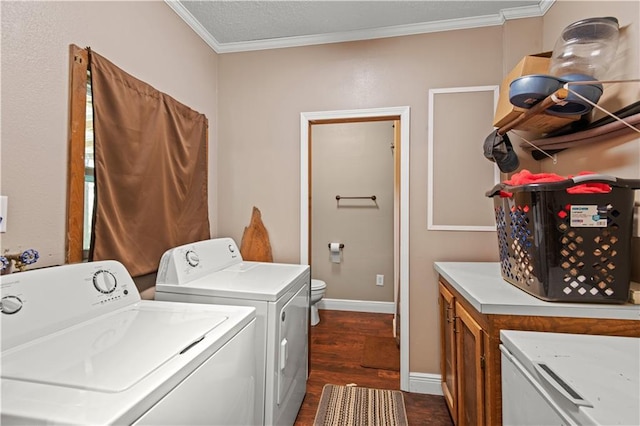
x,y
575,105
528,90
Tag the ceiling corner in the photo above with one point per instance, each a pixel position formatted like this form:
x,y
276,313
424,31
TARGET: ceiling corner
x,y
195,25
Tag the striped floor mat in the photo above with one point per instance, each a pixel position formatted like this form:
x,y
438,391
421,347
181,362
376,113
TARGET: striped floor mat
x,y
357,406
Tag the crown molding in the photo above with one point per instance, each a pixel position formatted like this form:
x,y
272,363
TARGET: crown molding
x,y
395,31
528,11
347,36
187,17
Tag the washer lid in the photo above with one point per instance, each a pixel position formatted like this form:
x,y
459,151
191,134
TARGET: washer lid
x,y
112,352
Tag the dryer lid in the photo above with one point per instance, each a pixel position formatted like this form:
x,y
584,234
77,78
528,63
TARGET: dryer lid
x,y
255,281
595,379
110,353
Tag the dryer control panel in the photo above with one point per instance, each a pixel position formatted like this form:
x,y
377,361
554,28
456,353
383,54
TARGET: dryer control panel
x,y
183,264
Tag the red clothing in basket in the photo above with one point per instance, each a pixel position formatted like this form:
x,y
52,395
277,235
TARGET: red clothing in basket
x,y
525,177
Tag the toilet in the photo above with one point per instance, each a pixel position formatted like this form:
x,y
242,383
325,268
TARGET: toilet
x,y
317,292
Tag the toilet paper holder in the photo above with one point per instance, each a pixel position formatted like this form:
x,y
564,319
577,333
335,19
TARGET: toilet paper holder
x,y
341,245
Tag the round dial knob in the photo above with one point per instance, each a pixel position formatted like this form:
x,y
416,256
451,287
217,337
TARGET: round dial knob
x,y
10,304
104,281
231,249
192,258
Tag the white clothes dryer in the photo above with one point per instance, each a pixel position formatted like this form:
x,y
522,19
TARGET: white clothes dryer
x,y
569,379
79,347
213,271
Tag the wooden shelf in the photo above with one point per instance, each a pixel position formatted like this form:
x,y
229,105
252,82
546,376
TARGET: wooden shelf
x,y
624,124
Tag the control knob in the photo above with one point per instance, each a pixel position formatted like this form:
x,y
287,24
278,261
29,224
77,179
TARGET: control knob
x,y
104,281
10,304
192,258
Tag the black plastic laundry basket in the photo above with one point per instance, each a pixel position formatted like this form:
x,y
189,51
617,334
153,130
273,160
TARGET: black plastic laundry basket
x,y
565,247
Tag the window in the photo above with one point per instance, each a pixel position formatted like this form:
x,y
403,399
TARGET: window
x,y
137,168
89,174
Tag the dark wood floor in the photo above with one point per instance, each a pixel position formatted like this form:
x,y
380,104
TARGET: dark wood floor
x,y
336,348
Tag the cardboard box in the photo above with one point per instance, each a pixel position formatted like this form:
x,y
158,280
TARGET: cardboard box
x,y
506,112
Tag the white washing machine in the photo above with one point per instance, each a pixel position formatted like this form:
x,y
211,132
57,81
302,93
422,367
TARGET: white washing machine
x,y
79,347
212,271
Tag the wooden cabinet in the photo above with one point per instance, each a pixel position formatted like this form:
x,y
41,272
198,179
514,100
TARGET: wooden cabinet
x,y
470,353
470,368
448,350
462,361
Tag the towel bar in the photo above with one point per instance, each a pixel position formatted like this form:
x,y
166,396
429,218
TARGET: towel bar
x,y
338,197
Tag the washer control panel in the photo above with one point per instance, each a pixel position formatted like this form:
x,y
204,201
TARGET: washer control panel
x,y
41,301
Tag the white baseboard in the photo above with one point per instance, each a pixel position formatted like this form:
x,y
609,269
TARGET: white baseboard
x,y
357,306
425,383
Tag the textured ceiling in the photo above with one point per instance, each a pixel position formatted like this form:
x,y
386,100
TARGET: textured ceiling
x,y
251,25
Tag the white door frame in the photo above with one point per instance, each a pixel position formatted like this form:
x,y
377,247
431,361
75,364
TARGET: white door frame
x,y
305,120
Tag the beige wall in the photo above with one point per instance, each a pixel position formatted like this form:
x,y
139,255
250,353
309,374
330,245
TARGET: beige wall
x,y
353,159
456,204
146,39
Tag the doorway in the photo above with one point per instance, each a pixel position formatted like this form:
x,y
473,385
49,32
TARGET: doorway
x,y
401,204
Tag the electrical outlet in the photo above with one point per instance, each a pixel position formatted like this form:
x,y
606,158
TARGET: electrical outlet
x,y
379,279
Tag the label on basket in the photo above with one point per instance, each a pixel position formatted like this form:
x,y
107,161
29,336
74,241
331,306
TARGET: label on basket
x,y
588,216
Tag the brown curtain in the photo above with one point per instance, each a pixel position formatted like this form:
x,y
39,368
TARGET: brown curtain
x,y
150,170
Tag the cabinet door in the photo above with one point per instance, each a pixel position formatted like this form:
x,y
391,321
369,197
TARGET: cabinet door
x,y
448,349
470,368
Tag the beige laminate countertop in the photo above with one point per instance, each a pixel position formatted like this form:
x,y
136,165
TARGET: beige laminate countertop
x,y
485,289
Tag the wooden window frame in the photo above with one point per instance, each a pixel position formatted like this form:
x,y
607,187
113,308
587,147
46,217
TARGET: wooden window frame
x,y
78,66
